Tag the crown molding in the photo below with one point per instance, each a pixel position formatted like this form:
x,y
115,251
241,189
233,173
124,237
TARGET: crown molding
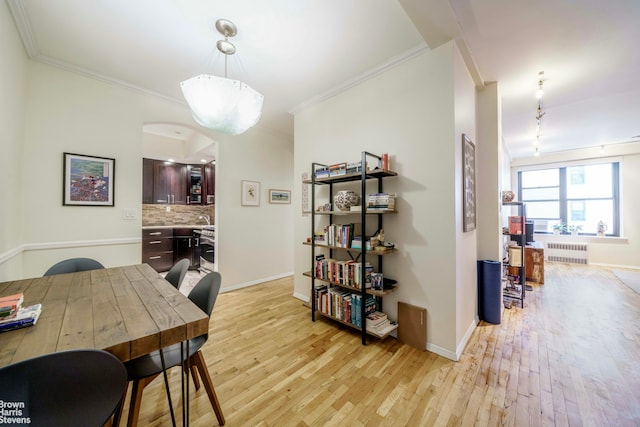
x,y
21,19
367,75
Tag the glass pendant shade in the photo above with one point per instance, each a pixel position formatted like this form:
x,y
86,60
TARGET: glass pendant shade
x,y
225,105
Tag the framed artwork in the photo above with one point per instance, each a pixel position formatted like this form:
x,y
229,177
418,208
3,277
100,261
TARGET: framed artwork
x,y
250,195
279,196
88,180
469,184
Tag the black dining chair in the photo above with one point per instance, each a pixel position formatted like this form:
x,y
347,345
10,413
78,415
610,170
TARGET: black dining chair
x,y
143,370
73,265
176,275
68,388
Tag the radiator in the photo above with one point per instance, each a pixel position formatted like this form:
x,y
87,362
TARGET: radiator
x,y
576,253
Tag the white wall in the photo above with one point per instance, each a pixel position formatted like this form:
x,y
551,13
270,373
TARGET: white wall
x,y
409,112
606,251
466,242
254,243
67,112
489,156
12,87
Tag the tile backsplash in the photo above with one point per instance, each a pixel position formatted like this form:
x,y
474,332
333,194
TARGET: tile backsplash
x,y
177,215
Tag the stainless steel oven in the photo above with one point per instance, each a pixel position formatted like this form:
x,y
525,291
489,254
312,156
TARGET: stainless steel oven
x,y
207,251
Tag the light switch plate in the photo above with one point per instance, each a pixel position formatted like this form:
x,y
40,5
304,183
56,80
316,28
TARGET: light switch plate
x,y
129,213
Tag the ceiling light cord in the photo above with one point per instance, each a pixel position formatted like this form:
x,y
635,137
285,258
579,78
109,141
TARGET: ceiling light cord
x,y
539,113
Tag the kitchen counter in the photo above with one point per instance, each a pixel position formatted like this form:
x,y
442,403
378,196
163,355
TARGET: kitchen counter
x,y
197,226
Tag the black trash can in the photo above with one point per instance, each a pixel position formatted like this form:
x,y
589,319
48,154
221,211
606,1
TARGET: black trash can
x,y
489,292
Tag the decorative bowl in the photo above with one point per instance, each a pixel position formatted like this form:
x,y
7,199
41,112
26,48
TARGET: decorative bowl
x,y
343,200
507,196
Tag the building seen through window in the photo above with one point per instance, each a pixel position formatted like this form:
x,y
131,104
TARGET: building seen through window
x,y
581,197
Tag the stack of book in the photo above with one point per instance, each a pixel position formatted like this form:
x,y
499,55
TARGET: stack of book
x,y
378,323
322,172
13,315
381,201
338,169
354,167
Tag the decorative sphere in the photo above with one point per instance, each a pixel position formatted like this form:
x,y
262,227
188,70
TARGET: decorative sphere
x,y
344,199
507,196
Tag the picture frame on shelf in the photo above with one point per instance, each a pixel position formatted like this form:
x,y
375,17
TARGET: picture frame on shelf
x,y
279,196
88,180
250,193
469,184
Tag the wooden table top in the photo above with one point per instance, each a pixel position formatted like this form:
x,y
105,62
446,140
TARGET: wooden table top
x,y
128,311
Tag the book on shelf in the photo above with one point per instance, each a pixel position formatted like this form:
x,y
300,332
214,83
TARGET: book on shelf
x,y
515,256
321,172
516,224
10,303
341,235
23,317
354,167
338,169
381,201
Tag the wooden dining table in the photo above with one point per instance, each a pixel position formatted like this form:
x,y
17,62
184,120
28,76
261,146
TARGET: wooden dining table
x,y
128,311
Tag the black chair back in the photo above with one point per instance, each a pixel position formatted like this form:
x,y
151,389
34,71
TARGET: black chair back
x,y
73,265
205,293
176,275
69,388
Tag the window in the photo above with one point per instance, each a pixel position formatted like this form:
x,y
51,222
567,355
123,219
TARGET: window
x,y
580,196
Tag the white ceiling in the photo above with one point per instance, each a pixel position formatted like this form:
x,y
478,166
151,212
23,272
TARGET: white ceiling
x,y
297,52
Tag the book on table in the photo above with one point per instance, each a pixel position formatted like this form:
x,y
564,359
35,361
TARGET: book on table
x,y
10,303
23,317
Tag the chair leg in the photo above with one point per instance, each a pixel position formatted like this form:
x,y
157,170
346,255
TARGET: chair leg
x,y
194,375
198,360
118,413
136,399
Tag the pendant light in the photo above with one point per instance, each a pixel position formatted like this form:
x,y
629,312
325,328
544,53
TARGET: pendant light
x,y
222,104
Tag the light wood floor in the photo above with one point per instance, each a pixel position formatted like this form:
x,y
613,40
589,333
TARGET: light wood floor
x,y
571,357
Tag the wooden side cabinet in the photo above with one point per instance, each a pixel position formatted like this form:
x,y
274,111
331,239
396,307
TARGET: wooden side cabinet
x,y
534,264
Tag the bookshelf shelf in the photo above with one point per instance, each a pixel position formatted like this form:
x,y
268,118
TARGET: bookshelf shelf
x,y
369,291
386,333
370,251
513,276
330,298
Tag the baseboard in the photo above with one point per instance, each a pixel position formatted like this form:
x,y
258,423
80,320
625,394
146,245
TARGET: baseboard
x,y
302,297
442,352
255,282
628,267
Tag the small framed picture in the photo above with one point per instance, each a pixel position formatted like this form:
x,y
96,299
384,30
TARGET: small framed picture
x,y
279,196
250,195
88,180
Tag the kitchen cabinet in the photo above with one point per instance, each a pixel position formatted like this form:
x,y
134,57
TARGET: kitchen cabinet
x,y
157,248
209,186
177,183
185,246
169,183
195,183
147,180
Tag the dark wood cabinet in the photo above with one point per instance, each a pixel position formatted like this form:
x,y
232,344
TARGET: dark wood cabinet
x,y
157,248
177,183
209,187
185,246
147,180
169,183
195,183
